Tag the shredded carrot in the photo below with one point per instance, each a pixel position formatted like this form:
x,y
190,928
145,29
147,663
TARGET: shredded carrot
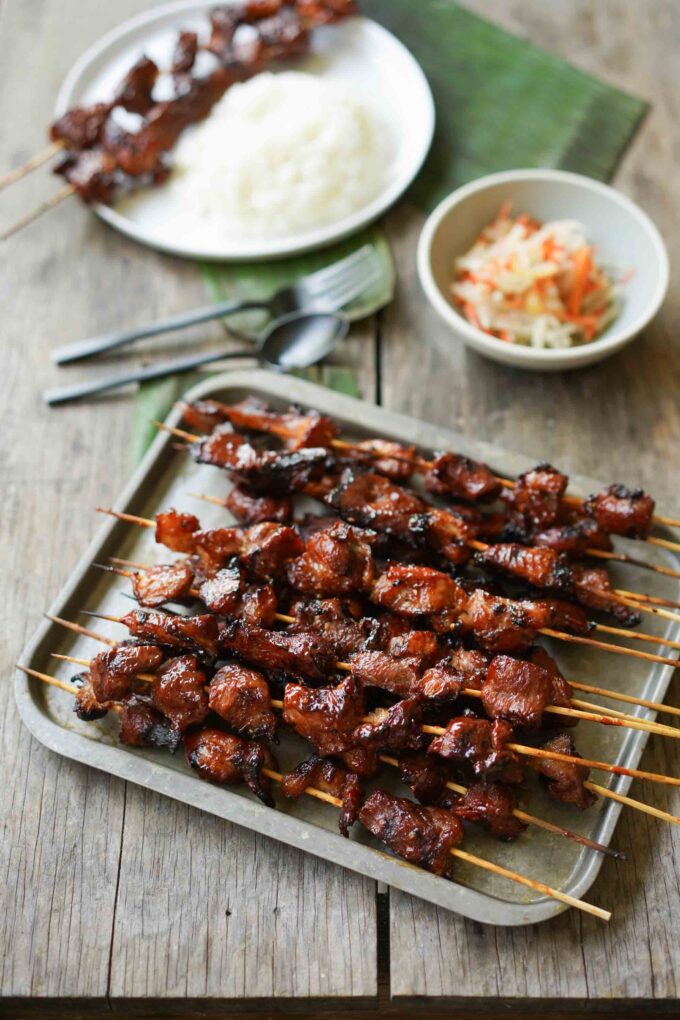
x,y
582,263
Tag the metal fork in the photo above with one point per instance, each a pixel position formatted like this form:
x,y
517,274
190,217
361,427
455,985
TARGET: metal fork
x,y
327,289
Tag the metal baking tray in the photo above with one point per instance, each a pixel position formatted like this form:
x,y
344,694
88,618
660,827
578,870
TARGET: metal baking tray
x,y
166,477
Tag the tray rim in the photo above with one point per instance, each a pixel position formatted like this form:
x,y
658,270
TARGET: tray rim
x,y
220,801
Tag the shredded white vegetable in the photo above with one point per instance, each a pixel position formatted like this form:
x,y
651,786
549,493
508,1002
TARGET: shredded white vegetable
x,y
534,284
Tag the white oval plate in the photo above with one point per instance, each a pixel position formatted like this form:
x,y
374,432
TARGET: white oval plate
x,y
357,50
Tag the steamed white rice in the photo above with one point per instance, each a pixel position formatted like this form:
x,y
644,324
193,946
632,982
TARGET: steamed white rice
x,y
282,154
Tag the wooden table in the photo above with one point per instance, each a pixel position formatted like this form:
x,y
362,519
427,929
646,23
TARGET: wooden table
x,y
115,899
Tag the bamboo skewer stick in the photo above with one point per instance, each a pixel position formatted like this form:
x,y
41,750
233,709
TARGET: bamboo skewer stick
x,y
634,635
145,522
44,207
656,600
30,165
632,561
530,883
638,805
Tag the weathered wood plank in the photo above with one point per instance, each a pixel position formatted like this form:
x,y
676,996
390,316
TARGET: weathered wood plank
x,y
617,420
68,830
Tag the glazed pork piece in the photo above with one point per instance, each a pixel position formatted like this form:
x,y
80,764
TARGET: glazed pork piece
x,y
398,728
195,633
248,508
135,91
331,778
176,530
425,775
517,692
537,495
144,725
302,653
419,591
573,538
242,698
564,780
225,759
479,744
622,511
452,474
421,835
379,669
221,593
268,547
184,54
112,672
373,501
386,458
86,705
337,560
327,716
342,626
81,127
179,692
295,428
164,583
491,805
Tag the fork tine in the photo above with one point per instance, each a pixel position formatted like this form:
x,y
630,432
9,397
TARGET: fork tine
x,y
344,291
316,282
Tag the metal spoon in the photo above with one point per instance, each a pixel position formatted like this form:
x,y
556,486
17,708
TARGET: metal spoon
x,y
297,340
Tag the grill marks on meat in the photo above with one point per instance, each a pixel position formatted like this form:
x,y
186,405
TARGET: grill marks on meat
x,y
251,509
573,538
622,511
331,778
378,669
373,501
143,725
269,472
336,561
327,716
86,706
398,728
440,683
564,780
336,625
546,568
480,744
418,591
421,835
492,805
195,633
537,495
268,547
111,672
241,697
517,692
228,760
302,653
166,583
542,567
452,474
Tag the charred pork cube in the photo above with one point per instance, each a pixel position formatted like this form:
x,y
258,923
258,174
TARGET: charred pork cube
x,y
564,780
113,671
622,511
421,835
327,716
242,698
331,778
228,760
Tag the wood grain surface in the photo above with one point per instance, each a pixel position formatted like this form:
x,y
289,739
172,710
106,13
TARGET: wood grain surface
x,y
114,899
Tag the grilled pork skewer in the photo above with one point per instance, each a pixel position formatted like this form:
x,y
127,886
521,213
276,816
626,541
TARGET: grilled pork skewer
x,y
626,512
395,576
578,771
426,843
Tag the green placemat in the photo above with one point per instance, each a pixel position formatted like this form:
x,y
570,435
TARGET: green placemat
x,y
501,103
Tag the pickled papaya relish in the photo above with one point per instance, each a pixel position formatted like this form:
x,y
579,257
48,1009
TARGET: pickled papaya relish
x,y
532,283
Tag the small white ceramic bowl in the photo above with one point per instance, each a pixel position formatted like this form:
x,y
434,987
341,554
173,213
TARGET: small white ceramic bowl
x,y
625,238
